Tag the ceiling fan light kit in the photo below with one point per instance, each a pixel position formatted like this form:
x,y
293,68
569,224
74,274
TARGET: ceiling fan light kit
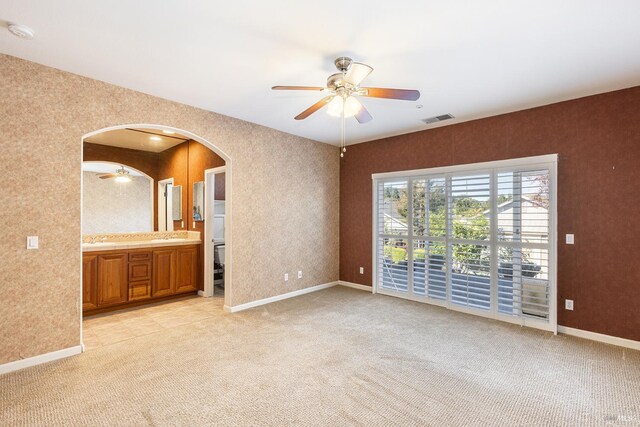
x,y
343,89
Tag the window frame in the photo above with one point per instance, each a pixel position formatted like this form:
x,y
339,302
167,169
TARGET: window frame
x,y
549,162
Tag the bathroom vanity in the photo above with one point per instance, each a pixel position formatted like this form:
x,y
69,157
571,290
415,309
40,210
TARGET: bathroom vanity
x,y
129,269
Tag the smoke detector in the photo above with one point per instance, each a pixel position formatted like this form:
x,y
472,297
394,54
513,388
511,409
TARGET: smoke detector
x,y
21,31
437,119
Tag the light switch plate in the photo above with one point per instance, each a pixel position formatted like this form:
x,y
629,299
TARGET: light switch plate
x,y
32,242
300,274
570,239
568,304
286,277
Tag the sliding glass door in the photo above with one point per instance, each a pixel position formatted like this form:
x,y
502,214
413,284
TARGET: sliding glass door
x,y
476,240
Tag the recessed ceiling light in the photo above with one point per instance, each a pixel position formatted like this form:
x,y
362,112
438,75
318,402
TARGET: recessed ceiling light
x,y
156,138
21,31
168,132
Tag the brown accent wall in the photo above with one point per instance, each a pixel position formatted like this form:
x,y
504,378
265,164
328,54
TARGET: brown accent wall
x,y
598,142
220,183
173,163
200,159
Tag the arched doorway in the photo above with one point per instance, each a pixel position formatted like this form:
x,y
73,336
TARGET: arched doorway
x,y
186,221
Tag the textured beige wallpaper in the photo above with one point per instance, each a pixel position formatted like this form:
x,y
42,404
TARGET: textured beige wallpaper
x,y
284,214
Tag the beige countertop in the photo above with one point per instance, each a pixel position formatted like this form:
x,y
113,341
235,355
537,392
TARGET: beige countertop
x,y
140,244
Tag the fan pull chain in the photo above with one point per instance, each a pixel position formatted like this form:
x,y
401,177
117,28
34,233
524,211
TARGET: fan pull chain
x,y
342,142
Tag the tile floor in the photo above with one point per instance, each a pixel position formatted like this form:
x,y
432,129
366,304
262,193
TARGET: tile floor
x,y
108,328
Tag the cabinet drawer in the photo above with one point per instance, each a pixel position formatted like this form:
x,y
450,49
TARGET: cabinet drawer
x,y
139,256
139,271
139,290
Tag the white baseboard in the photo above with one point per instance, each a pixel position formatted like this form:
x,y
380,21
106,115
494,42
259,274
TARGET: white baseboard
x,y
38,360
201,294
594,336
356,286
281,297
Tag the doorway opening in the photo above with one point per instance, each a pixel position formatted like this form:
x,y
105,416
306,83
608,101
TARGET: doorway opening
x,y
183,250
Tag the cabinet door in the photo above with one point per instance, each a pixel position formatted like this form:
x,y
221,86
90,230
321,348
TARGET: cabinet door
x,y
187,269
164,273
89,282
112,279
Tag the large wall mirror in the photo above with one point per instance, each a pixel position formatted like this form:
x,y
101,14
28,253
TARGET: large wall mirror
x,y
198,201
116,198
176,202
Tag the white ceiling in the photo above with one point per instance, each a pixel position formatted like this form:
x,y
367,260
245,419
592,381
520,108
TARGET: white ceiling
x,y
469,58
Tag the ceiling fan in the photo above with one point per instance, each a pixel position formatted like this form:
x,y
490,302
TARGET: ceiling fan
x,y
343,87
121,175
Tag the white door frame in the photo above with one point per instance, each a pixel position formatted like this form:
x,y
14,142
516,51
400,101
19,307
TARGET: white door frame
x,y
162,207
208,231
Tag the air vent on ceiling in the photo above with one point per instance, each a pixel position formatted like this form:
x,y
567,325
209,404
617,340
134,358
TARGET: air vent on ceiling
x,y
437,119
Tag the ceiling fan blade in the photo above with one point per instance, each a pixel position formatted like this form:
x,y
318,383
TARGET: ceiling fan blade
x,y
107,176
318,88
379,92
363,115
357,72
315,107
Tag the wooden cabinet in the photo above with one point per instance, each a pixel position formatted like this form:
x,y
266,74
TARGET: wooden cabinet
x,y
186,269
89,282
164,272
139,275
112,279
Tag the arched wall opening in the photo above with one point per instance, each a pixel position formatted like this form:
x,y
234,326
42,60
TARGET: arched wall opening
x,y
188,222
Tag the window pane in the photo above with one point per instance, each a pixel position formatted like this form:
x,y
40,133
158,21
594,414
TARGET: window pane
x,y
429,275
470,207
393,268
393,208
523,281
429,207
470,276
523,206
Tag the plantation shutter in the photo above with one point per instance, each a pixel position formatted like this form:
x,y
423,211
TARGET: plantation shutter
x,y
476,240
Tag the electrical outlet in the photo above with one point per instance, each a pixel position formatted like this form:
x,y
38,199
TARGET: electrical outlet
x,y
286,277
568,304
299,274
361,270
570,239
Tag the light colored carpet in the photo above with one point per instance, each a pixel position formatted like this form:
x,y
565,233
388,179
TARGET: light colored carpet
x,y
331,358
